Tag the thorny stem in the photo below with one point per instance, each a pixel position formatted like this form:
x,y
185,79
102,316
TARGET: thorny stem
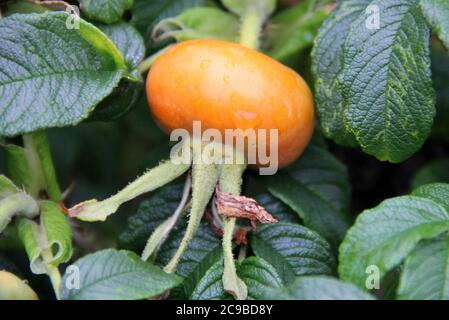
x,y
146,64
161,233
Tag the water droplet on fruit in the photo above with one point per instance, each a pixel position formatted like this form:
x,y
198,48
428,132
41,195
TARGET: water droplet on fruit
x,y
247,115
205,64
229,64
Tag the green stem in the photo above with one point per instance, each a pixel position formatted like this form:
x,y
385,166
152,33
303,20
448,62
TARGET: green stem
x,y
161,233
146,64
204,180
38,154
250,29
230,182
52,272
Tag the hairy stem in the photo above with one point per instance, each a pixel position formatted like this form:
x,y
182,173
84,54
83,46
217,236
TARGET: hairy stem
x,y
161,233
230,182
250,28
52,272
204,179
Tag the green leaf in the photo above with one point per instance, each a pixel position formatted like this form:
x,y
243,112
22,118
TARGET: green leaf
x,y
434,171
316,187
210,286
327,65
437,15
437,192
318,288
43,85
106,11
50,241
128,40
440,77
387,86
385,235
150,214
117,275
293,250
293,30
425,274
198,23
14,202
259,276
120,102
57,232
7,187
205,244
277,208
145,14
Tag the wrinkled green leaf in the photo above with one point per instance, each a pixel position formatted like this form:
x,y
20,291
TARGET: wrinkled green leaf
x,y
328,63
293,30
293,250
198,23
119,103
258,276
106,11
437,15
437,192
318,288
426,272
205,244
128,40
117,275
316,187
385,235
210,286
150,214
387,86
440,77
277,208
434,171
46,85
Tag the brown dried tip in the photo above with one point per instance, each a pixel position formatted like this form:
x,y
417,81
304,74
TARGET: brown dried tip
x,y
234,206
63,207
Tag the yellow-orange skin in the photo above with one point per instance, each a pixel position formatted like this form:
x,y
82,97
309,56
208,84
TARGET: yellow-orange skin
x,y
229,86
